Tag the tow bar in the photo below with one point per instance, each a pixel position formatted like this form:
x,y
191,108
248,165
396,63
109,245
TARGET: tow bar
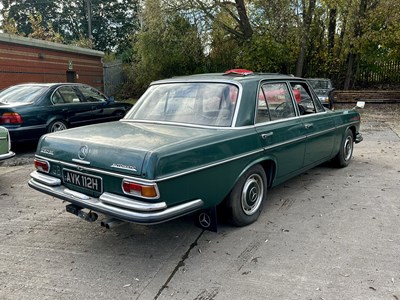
x,y
78,211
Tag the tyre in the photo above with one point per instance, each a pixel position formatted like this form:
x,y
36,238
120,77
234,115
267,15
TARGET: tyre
x,y
345,154
57,125
245,199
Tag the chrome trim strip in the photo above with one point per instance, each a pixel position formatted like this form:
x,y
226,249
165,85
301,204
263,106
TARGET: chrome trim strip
x,y
148,181
46,179
210,165
348,124
80,161
174,123
141,217
321,132
119,175
285,143
3,137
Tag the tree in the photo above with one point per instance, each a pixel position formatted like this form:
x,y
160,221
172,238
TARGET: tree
x,y
112,21
168,45
43,32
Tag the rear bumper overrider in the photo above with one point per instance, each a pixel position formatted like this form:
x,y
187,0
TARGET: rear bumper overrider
x,y
113,205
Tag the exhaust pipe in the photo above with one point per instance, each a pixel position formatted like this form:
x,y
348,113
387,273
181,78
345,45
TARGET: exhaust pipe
x,y
111,223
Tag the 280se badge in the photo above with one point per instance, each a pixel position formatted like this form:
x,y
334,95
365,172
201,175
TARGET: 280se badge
x,y
193,143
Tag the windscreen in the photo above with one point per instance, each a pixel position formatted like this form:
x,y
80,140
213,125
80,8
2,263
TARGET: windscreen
x,y
21,94
320,84
209,104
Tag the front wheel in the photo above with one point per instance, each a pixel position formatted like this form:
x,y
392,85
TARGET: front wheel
x,y
57,125
247,195
345,154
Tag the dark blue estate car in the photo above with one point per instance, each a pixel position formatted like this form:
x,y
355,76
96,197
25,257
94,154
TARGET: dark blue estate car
x,y
30,110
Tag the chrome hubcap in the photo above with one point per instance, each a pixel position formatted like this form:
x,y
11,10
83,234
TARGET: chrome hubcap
x,y
348,148
252,194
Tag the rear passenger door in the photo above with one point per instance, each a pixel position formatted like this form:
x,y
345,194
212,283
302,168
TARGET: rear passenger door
x,y
69,103
318,123
281,131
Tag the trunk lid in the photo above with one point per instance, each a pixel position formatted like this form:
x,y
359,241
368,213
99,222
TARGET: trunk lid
x,y
116,146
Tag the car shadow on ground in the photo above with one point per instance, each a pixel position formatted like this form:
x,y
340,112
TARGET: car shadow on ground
x,y
24,154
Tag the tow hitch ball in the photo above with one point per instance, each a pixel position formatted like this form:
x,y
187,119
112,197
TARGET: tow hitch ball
x,y
78,211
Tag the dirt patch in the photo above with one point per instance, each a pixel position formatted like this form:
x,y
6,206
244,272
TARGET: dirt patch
x,y
373,112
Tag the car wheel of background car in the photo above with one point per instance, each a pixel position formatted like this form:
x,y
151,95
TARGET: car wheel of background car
x,y
57,125
343,158
246,197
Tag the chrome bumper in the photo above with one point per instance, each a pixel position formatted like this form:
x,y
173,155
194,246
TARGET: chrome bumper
x,y
6,155
113,205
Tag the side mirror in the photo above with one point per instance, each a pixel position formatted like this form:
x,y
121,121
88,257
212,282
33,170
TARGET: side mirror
x,y
360,104
111,99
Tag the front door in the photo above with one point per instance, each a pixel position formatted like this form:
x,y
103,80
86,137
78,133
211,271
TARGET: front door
x,y
282,133
318,123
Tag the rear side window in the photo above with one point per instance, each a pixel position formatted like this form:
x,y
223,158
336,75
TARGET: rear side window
x,y
274,103
65,94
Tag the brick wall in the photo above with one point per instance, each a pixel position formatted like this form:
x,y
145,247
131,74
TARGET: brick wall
x,y
28,60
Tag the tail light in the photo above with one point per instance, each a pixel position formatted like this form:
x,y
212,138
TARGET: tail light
x,y
140,189
42,165
10,118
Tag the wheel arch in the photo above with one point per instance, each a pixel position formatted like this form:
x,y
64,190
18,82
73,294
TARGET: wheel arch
x,y
51,119
268,164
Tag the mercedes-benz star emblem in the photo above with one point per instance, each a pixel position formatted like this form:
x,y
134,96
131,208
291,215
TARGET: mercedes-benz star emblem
x,y
253,194
83,152
204,220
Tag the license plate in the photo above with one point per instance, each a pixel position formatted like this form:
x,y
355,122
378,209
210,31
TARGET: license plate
x,y
89,182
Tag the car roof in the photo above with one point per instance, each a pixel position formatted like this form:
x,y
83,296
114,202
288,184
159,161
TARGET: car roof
x,y
325,79
50,84
228,77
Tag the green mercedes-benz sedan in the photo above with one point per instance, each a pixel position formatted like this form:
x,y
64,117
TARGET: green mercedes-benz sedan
x,y
5,145
193,143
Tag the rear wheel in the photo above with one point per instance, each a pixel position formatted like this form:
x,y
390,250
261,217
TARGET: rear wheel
x,y
57,125
345,154
245,199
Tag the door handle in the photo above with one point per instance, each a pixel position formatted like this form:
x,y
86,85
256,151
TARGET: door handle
x,y
308,125
264,136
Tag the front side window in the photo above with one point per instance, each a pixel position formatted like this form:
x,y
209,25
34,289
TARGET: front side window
x,y
304,99
209,104
274,103
91,95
